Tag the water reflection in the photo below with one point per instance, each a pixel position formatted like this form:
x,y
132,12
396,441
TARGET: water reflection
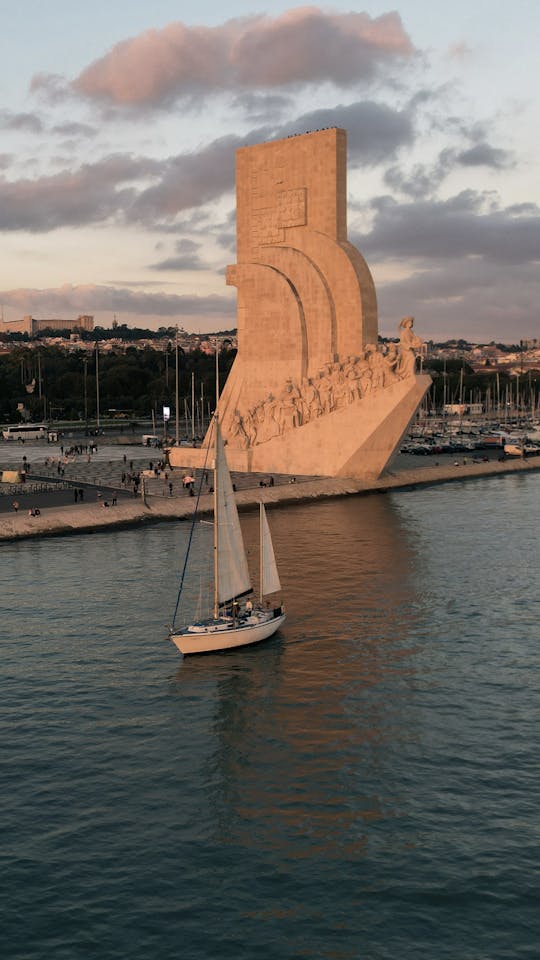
x,y
299,722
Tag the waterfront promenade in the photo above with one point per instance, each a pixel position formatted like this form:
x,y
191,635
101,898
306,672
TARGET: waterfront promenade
x,y
101,483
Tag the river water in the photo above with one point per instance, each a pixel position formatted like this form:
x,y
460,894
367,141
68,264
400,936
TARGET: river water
x,y
364,785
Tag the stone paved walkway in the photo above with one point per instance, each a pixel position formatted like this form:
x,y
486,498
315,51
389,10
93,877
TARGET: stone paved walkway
x,y
89,517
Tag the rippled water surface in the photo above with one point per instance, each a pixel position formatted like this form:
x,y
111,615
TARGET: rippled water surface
x,y
364,785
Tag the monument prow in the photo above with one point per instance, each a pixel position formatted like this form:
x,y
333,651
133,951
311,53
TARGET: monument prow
x,y
310,390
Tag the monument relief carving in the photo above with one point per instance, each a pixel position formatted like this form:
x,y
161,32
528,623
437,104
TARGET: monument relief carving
x,y
336,386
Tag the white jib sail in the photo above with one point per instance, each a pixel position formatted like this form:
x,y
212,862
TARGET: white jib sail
x,y
269,574
232,569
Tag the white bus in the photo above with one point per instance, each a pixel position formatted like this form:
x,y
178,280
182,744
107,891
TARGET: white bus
x,y
26,431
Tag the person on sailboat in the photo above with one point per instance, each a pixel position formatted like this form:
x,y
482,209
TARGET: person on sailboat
x,y
249,608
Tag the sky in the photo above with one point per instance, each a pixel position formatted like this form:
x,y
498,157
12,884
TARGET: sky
x,y
119,124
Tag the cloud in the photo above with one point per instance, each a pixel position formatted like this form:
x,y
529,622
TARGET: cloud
x,y
69,299
26,122
186,257
460,51
120,187
141,190
467,225
188,180
51,87
484,155
89,194
467,266
464,298
301,46
422,180
262,107
74,129
225,234
374,130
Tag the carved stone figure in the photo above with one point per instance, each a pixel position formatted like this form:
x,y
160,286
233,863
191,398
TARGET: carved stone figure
x,y
364,375
326,392
375,361
238,433
340,388
250,426
310,401
408,344
391,361
271,425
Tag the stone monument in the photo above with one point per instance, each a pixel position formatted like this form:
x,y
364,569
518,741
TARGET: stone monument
x,y
310,391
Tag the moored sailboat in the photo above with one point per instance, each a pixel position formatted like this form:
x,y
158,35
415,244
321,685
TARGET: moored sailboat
x,y
236,620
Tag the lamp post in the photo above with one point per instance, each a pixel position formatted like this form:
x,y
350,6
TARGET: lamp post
x,y
85,361
97,384
193,408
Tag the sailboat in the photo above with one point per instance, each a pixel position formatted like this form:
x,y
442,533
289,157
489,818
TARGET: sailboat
x,y
236,621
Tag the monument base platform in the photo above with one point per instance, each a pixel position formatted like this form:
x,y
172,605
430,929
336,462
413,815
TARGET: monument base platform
x,y
357,441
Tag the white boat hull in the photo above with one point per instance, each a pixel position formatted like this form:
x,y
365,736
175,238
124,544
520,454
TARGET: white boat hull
x,y
226,634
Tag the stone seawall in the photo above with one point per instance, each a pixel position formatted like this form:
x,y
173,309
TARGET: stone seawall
x,y
94,518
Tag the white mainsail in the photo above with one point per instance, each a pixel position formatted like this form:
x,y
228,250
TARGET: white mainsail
x,y
233,579
269,574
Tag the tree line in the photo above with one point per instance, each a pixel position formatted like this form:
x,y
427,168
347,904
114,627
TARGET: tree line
x,y
52,384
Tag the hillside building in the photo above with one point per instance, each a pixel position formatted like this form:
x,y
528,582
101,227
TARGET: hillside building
x,y
33,327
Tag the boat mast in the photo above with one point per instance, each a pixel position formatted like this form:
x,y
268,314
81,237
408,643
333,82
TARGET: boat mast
x,y
216,518
261,552
176,400
216,522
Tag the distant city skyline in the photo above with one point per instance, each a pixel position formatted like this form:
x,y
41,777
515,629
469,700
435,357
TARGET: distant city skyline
x,y
120,124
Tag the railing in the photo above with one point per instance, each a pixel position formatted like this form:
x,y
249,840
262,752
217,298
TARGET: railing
x,y
19,489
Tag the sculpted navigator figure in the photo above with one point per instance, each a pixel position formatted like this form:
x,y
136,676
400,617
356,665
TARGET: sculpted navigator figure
x,y
408,344
238,433
391,360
